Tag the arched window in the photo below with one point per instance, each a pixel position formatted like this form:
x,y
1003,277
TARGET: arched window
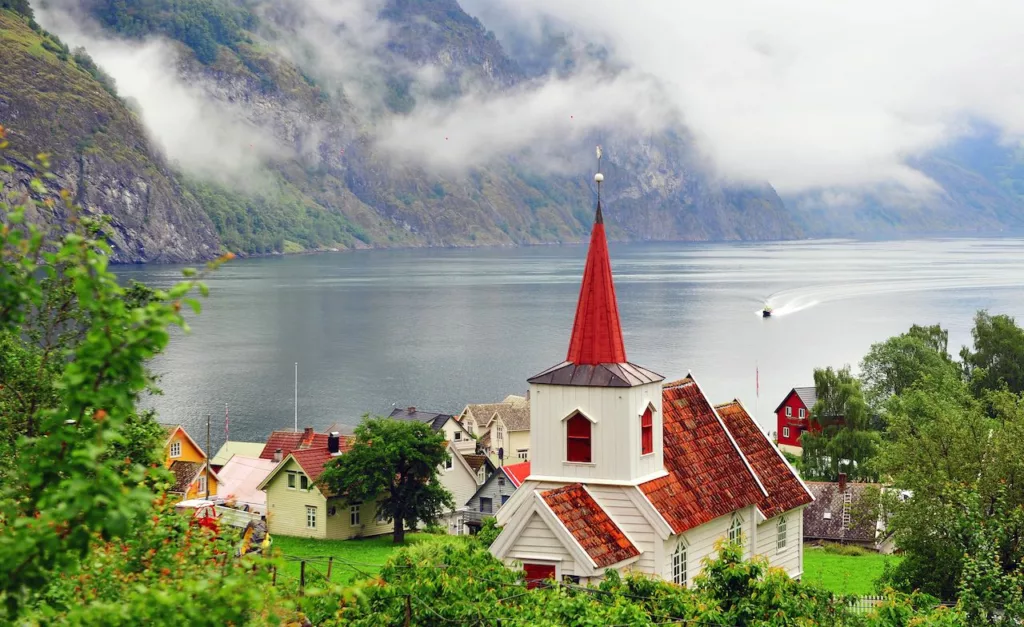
x,y
780,541
578,444
647,432
679,563
735,529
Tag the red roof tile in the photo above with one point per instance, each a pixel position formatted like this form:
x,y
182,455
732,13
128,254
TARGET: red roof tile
x,y
313,460
707,476
590,525
289,441
517,473
785,491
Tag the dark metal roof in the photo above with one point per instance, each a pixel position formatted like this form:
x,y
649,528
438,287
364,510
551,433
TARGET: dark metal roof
x,y
435,420
621,375
808,396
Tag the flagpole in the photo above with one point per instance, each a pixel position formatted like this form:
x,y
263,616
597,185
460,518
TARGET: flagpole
x,y
296,397
227,423
757,392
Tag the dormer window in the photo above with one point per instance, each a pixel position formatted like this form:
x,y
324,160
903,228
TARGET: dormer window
x,y
176,448
578,439
647,432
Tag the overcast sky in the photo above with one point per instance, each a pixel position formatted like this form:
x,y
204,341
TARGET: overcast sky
x,y
810,94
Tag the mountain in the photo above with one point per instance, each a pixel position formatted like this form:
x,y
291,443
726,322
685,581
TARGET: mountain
x,y
331,185
53,100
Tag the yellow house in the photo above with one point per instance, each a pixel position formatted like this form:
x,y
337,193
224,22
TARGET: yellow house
x,y
187,462
298,506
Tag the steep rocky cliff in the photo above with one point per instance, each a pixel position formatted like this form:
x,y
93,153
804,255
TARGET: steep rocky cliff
x,y
99,151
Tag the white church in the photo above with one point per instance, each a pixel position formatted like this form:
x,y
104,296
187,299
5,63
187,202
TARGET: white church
x,y
632,473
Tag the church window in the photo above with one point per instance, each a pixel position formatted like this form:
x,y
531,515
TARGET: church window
x,y
780,542
578,444
735,529
679,564
647,433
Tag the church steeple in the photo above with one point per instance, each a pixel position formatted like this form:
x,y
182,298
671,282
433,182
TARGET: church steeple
x,y
596,333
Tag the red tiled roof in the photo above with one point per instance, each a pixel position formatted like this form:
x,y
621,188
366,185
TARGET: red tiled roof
x,y
707,477
517,473
313,460
596,333
785,491
289,441
593,530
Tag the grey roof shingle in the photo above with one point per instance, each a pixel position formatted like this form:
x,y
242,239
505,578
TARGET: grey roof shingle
x,y
514,412
829,500
808,396
434,419
623,375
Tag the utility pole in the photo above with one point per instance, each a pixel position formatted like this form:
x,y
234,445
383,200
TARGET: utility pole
x,y
207,456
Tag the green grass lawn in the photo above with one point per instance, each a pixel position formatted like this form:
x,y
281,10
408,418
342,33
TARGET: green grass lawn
x,y
366,555
844,574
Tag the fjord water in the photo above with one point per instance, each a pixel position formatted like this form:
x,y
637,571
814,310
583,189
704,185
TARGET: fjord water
x,y
438,328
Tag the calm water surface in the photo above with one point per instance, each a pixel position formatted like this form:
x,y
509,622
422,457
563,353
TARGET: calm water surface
x,y
440,328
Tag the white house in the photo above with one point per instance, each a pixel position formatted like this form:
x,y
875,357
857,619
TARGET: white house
x,y
502,429
462,475
630,473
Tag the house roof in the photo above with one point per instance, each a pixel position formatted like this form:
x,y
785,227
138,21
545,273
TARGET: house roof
x,y
241,476
829,500
475,461
289,441
785,489
622,374
434,419
808,396
517,473
184,474
231,448
514,411
596,332
312,461
708,476
590,525
170,431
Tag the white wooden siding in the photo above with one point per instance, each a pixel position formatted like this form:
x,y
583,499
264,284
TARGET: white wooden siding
x,y
790,558
536,540
458,480
701,543
615,437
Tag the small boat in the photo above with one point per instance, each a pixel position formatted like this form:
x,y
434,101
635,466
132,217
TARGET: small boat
x,y
766,312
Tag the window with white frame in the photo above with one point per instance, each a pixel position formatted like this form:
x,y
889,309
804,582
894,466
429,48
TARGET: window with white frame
x,y
789,412
803,412
735,529
291,481
448,463
501,434
679,563
304,482
176,448
201,484
785,432
353,514
780,541
458,436
380,514
523,453
310,517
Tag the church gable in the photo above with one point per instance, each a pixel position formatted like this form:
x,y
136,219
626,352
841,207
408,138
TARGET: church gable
x,y
590,526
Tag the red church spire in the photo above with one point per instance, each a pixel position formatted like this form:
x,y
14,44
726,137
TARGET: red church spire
x,y
596,334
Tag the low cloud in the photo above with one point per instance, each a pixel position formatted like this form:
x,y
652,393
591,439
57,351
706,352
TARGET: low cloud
x,y
202,135
807,94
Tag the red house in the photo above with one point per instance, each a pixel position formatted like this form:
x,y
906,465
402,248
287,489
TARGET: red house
x,y
793,415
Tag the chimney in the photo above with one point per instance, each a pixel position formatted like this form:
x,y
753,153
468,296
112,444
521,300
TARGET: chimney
x,y
527,396
307,436
842,482
277,456
334,443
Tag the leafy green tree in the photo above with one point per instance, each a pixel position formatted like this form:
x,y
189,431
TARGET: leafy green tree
x,y
398,460
997,360
901,362
962,467
846,443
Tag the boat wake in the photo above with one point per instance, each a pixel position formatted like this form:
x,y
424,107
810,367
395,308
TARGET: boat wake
x,y
798,299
